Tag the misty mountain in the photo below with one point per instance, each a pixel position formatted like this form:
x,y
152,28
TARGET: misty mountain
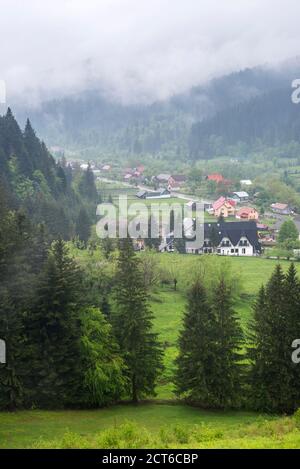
x,y
91,125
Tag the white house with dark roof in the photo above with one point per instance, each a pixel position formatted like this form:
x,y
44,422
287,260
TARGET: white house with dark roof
x,y
230,239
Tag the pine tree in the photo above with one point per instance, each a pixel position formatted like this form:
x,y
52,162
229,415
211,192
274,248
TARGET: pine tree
x,y
269,351
196,354
133,325
83,226
292,328
15,294
87,186
53,333
228,337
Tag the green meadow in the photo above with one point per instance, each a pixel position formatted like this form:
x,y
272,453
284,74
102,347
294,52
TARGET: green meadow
x,y
164,422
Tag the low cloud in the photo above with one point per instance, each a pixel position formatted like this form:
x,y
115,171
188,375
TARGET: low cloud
x,y
137,50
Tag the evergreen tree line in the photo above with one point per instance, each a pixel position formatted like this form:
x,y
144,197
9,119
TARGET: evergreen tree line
x,y
61,350
34,182
70,344
218,367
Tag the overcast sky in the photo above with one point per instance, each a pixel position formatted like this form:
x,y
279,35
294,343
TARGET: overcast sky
x,y
138,50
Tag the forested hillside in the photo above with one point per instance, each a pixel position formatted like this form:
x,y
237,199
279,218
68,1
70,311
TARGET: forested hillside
x,y
92,125
46,191
271,119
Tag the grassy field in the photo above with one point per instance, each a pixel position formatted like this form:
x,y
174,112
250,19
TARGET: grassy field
x,y
168,305
147,425
165,424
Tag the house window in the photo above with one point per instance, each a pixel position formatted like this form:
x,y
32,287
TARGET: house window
x,y
243,251
218,251
232,250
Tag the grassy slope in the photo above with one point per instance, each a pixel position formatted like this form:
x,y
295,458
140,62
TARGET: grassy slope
x,y
234,429
148,425
168,306
23,428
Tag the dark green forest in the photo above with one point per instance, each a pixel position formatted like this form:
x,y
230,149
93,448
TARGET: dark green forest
x,y
47,191
270,120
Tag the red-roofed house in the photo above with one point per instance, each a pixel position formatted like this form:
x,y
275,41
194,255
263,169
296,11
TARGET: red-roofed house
x,y
215,177
282,209
224,207
247,213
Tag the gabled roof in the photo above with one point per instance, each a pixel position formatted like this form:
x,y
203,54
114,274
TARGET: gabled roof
x,y
163,177
234,231
280,206
241,194
149,194
245,211
218,203
221,201
178,177
215,177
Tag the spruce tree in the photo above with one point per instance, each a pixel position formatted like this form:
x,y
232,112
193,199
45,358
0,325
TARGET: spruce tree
x,y
16,290
228,339
133,325
270,351
54,331
83,226
292,332
194,373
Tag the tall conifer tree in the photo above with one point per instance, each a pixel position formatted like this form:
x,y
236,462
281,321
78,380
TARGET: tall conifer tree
x,y
133,325
196,349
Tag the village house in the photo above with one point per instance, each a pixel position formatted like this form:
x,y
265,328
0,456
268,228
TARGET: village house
x,y
230,239
247,213
192,204
161,194
224,207
215,177
281,209
240,196
245,182
162,178
176,181
106,167
224,239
